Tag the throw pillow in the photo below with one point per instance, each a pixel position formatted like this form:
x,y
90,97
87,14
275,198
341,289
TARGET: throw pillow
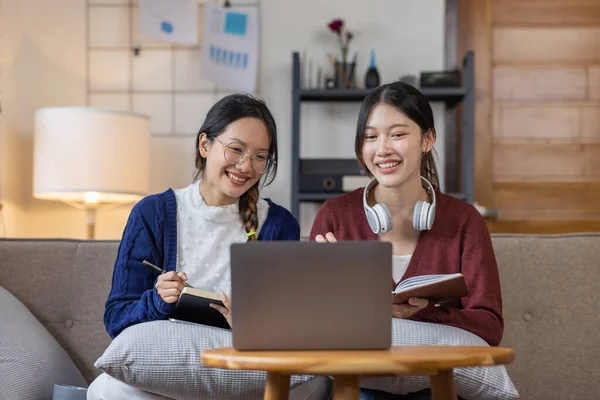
x,y
31,360
481,383
163,357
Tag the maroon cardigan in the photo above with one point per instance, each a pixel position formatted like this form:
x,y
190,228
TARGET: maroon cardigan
x,y
458,241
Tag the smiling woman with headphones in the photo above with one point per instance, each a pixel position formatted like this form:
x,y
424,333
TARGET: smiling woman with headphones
x,y
430,232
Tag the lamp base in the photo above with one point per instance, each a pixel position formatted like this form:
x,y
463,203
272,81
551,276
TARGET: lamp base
x,y
91,221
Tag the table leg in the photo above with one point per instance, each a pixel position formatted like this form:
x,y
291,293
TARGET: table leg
x,y
443,386
278,386
346,387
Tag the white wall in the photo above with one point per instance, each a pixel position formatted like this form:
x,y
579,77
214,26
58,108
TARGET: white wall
x,y
11,198
44,64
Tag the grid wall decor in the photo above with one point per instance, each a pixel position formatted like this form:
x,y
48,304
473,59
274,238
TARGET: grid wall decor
x,y
127,71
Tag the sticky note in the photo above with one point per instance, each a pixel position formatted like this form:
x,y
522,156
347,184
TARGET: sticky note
x,y
235,23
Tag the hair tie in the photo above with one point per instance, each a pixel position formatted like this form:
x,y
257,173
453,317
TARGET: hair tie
x,y
252,233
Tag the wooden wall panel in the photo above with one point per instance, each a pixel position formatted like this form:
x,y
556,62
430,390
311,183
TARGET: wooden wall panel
x,y
592,163
546,162
544,109
537,122
590,124
547,123
544,226
540,83
594,82
519,201
546,12
546,45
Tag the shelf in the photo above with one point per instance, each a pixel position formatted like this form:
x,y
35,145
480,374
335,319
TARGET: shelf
x,y
490,214
317,197
331,166
448,95
333,94
314,196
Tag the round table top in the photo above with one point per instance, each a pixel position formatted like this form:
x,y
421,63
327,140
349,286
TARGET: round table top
x,y
421,360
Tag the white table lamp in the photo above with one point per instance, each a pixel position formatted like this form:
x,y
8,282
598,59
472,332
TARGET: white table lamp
x,y
90,157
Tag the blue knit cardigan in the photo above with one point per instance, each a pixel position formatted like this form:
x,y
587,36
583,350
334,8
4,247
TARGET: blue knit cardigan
x,y
151,234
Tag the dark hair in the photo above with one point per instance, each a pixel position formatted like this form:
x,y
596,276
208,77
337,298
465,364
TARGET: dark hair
x,y
224,112
411,102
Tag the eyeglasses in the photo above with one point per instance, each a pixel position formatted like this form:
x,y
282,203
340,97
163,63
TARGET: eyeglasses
x,y
235,154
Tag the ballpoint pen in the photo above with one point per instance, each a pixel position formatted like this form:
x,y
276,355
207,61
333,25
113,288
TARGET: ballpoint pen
x,y
161,271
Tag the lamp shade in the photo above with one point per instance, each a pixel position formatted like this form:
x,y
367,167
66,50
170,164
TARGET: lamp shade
x,y
84,154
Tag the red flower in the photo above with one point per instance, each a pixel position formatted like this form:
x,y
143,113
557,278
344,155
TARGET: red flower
x,y
343,35
336,25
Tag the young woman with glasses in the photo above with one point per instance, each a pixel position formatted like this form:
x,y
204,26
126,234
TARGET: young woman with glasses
x,y
188,231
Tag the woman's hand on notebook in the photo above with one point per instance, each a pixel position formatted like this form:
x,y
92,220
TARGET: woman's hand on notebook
x,y
226,311
169,285
407,310
329,237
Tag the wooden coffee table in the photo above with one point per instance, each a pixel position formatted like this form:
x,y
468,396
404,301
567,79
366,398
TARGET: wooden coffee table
x,y
347,367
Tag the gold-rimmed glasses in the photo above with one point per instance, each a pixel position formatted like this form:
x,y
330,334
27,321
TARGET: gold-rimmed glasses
x,y
236,153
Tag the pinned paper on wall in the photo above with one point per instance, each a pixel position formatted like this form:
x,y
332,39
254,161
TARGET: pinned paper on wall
x,y
171,20
229,50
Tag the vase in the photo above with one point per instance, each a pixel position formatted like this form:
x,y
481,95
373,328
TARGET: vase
x,y
344,75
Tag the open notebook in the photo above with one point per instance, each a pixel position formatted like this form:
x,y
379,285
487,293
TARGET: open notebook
x,y
435,288
193,306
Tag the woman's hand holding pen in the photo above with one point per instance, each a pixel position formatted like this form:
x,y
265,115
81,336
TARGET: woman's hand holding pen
x,y
170,284
226,311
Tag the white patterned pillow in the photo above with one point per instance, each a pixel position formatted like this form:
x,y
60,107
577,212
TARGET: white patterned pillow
x,y
481,383
163,357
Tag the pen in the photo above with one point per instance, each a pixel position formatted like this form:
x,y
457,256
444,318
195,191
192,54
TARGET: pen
x,y
161,271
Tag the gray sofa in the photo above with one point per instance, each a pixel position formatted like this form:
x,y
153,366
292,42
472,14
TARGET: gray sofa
x,y
550,289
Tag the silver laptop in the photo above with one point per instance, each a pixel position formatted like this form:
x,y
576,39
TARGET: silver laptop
x,y
311,296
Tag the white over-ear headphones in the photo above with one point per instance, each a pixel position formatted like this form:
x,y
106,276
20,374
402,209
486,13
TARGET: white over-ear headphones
x,y
380,218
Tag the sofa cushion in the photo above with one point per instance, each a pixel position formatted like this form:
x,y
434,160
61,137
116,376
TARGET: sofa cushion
x,y
163,357
31,360
64,283
481,383
549,287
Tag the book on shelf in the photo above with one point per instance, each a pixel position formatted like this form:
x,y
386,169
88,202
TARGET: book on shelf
x,y
193,306
438,288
